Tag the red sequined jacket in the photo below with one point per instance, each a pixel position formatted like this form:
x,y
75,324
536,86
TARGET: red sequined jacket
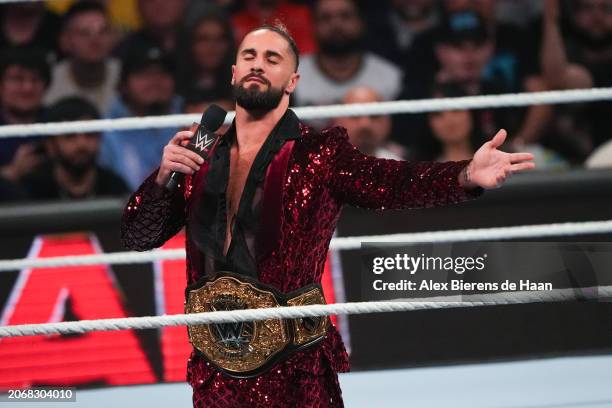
x,y
304,189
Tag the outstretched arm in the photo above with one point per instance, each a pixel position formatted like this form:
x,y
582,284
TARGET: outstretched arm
x,y
369,182
365,181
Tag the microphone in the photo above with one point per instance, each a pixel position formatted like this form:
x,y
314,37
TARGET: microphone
x,y
203,138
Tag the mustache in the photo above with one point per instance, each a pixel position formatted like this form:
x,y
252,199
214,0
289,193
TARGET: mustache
x,y
260,77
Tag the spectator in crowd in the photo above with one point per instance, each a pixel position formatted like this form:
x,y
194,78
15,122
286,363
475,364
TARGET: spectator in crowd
x,y
392,30
207,53
146,88
295,16
455,135
88,71
29,24
342,61
515,54
124,14
72,172
370,134
161,20
579,57
464,50
24,76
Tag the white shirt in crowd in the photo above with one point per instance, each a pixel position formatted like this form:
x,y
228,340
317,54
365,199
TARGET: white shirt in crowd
x,y
315,88
63,85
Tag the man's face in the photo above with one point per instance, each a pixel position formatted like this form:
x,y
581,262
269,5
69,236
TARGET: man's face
x,y
210,45
594,18
451,127
75,152
264,72
338,27
465,61
21,90
88,37
366,132
150,88
161,14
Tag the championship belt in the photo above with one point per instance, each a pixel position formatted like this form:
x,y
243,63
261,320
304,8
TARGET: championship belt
x,y
248,349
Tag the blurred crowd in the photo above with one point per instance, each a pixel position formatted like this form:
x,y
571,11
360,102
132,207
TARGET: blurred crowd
x,y
67,60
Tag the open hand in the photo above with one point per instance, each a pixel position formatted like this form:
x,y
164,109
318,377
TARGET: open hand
x,y
490,167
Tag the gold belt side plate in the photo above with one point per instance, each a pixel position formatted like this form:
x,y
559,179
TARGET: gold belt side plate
x,y
308,329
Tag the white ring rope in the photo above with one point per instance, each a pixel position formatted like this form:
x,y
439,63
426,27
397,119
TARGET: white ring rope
x,y
321,112
339,243
234,316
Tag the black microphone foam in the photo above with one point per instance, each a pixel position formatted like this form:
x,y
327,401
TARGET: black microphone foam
x,y
213,117
203,137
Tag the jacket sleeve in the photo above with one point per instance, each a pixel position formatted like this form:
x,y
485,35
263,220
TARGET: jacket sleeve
x,y
369,182
152,216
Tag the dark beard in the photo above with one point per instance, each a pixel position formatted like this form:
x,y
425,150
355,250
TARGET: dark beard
x,y
252,99
156,109
77,170
341,46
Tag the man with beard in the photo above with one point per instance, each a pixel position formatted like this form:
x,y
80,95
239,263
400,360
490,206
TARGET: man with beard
x,y
259,217
370,133
88,70
146,87
342,61
71,172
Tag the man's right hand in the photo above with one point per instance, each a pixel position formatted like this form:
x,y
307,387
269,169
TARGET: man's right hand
x,y
178,158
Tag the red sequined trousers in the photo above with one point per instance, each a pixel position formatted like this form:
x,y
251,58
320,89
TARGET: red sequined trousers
x,y
322,172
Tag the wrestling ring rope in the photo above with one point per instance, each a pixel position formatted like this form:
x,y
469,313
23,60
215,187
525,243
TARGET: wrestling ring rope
x,y
323,112
292,312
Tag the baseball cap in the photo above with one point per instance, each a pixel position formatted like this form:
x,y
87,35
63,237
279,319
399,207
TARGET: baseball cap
x,y
463,26
137,59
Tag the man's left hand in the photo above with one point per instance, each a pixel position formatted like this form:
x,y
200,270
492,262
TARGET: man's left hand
x,y
491,167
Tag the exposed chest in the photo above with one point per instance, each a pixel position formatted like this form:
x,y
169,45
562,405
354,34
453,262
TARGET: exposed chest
x,y
240,166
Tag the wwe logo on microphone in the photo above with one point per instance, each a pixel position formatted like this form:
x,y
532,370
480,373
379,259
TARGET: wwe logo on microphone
x,y
203,140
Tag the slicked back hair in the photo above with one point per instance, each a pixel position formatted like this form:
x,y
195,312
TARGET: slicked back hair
x,y
279,28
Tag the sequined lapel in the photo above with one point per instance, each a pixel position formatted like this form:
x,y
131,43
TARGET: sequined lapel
x,y
269,224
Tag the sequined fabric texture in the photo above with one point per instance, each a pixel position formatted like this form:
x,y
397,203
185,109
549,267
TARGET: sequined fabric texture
x,y
323,173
